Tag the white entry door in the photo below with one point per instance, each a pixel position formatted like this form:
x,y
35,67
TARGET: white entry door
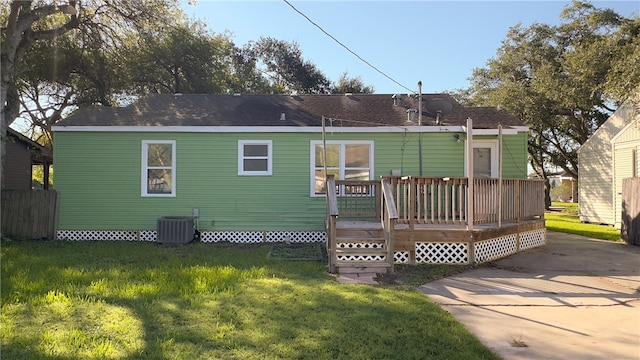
x,y
485,159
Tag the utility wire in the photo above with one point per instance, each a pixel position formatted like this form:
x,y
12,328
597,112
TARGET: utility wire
x,y
347,48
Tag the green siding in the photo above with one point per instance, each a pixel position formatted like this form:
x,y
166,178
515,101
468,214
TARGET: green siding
x,y
98,177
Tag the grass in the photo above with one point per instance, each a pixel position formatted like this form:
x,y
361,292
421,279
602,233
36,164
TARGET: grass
x,y
134,300
567,221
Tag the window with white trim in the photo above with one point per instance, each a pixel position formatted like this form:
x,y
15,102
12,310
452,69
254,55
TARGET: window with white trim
x,y
345,160
158,176
255,157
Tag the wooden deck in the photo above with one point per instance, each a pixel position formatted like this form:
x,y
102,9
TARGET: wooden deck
x,y
427,220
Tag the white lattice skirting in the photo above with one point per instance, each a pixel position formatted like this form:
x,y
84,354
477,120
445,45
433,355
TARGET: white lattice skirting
x,y
244,237
495,248
531,239
441,253
401,257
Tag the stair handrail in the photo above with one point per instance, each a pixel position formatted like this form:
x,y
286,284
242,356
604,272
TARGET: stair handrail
x,y
388,219
332,216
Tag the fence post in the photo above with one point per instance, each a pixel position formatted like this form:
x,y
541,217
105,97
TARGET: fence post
x,y
630,231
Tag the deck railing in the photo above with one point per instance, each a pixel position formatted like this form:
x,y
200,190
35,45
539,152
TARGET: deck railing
x,y
444,201
358,199
388,219
430,200
515,199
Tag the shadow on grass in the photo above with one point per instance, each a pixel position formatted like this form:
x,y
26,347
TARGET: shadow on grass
x,y
123,300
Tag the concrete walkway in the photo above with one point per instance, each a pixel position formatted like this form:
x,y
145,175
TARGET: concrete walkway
x,y
575,298
358,278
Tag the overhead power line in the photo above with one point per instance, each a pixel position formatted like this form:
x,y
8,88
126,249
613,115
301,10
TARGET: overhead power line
x,y
346,47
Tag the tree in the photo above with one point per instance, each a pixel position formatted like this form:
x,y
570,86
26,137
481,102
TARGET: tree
x,y
559,80
353,85
285,67
179,58
28,22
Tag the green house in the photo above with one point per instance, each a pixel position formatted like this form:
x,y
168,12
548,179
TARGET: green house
x,y
251,168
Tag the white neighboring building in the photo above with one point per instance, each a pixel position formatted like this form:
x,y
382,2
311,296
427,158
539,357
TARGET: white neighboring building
x,y
611,154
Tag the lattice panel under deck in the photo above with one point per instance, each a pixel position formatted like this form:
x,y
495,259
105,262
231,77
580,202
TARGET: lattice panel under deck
x,y
359,245
97,235
495,248
296,236
531,239
441,253
401,257
361,258
242,237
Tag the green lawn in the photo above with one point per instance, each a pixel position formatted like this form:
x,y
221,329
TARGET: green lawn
x,y
567,221
133,300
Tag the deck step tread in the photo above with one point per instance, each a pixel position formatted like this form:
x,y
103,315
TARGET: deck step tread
x,y
351,239
370,252
363,264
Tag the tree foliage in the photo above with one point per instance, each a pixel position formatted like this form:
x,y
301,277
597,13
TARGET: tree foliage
x,y
355,85
179,58
563,81
286,68
107,53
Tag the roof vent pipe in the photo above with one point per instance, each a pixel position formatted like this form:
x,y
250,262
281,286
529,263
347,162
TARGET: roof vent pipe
x,y
397,99
412,115
283,117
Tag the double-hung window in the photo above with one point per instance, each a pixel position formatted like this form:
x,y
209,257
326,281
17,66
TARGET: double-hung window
x,y
158,168
345,160
254,157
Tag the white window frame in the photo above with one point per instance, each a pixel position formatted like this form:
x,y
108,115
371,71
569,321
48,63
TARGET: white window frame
x,y
493,145
242,157
145,168
341,166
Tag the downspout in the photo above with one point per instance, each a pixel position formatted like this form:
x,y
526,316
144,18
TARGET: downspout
x,y
420,124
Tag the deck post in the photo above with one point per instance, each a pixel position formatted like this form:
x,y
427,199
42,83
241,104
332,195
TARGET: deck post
x,y
499,175
518,202
412,202
470,199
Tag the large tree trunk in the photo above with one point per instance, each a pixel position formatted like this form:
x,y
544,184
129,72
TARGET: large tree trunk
x,y
18,37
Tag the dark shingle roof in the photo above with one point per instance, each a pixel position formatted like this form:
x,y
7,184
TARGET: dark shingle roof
x,y
299,110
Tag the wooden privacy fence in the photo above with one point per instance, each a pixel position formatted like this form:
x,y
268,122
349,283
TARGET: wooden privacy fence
x,y
631,211
29,214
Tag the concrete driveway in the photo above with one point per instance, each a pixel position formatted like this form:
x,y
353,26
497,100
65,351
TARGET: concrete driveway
x,y
575,298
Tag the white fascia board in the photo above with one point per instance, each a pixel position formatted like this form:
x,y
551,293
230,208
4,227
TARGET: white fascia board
x,y
494,132
286,129
258,129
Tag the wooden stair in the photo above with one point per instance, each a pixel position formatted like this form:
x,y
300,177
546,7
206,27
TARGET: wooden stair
x,y
360,247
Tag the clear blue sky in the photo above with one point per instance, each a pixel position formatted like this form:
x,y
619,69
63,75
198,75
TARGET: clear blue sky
x,y
436,42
